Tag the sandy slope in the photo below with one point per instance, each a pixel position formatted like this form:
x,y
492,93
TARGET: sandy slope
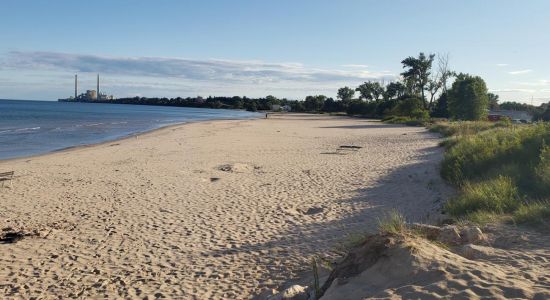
x,y
207,210
510,263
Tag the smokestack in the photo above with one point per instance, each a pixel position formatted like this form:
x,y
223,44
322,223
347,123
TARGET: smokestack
x,y
75,85
97,86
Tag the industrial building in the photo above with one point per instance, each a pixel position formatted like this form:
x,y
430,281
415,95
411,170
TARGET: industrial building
x,y
89,96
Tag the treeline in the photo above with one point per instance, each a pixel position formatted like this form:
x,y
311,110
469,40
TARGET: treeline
x,y
236,102
427,88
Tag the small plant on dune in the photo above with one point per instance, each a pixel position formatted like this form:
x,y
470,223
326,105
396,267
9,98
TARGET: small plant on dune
x,y
316,285
393,223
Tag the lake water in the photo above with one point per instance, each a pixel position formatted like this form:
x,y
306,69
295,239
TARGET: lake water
x,y
35,127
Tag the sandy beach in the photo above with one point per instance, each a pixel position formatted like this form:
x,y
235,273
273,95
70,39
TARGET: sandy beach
x,y
208,210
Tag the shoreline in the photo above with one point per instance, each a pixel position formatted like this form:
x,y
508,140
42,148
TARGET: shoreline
x,y
212,209
123,138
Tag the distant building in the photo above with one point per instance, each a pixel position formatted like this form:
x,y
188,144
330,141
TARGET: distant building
x,y
91,94
277,107
514,115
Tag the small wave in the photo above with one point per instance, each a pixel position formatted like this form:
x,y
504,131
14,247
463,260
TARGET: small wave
x,y
93,124
26,129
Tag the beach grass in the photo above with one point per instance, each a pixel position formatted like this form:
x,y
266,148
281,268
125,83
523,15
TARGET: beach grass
x,y
393,222
500,169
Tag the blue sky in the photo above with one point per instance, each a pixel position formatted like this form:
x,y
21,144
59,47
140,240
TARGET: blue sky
x,y
255,48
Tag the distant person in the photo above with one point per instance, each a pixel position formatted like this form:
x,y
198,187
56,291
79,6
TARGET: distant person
x,y
266,115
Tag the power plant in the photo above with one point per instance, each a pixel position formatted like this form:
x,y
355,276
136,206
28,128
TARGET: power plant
x,y
89,96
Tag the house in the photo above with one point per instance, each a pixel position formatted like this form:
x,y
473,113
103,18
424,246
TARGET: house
x,y
514,115
277,107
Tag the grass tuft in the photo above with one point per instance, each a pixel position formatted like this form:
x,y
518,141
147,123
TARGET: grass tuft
x,y
393,222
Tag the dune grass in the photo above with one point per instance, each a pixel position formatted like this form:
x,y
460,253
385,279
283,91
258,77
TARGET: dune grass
x,y
498,195
463,128
536,213
393,222
405,120
500,169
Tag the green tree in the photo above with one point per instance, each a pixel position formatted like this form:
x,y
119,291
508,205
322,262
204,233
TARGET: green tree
x,y
345,93
410,107
545,116
272,100
314,103
418,72
468,98
370,90
493,101
440,109
394,90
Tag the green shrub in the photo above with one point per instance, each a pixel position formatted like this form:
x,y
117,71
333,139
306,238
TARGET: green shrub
x,y
409,107
405,120
497,165
498,195
420,114
537,213
542,171
475,155
463,128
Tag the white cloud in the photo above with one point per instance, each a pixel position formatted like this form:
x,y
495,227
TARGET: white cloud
x,y
512,91
502,65
355,66
191,69
519,72
172,77
540,82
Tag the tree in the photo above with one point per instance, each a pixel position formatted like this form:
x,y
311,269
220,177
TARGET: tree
x,y
370,90
411,107
440,109
444,71
468,98
272,100
433,87
418,72
493,101
394,90
345,93
438,80
545,116
314,103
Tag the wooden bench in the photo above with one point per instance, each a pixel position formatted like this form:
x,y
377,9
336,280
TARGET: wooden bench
x,y
5,176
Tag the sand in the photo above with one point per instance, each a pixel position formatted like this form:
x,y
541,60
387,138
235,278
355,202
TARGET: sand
x,y
209,210
508,264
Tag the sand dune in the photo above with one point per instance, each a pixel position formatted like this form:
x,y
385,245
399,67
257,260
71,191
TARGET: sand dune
x,y
507,264
207,210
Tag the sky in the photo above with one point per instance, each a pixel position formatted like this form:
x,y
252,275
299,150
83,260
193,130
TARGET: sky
x,y
285,48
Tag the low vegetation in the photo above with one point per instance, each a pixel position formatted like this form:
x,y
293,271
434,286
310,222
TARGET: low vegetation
x,y
393,222
501,169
